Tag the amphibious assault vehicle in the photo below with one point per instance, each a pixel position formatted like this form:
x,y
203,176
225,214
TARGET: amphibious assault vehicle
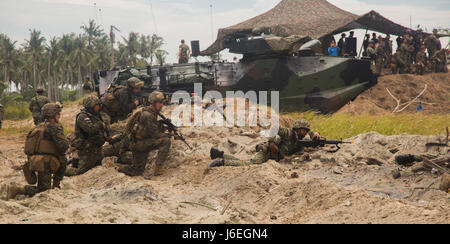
x,y
305,79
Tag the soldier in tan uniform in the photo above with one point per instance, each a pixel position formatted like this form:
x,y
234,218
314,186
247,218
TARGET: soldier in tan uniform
x,y
276,148
421,61
147,134
46,146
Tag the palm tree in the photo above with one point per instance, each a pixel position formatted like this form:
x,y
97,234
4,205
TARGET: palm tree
x,y
8,56
34,48
132,47
66,44
92,31
161,56
80,55
101,58
52,50
156,42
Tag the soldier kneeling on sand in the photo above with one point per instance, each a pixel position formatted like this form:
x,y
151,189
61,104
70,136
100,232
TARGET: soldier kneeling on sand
x,y
282,145
45,147
147,134
91,134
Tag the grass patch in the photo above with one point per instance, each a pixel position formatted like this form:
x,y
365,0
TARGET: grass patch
x,y
346,126
17,111
14,131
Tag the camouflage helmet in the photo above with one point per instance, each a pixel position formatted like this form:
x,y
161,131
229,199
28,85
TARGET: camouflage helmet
x,y
156,97
91,101
51,110
40,90
135,82
302,124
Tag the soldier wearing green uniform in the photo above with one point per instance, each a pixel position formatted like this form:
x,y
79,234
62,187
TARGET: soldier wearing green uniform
x,y
2,113
36,105
184,53
122,101
407,51
278,147
439,60
87,86
379,60
397,63
147,134
90,133
421,61
432,43
49,158
119,147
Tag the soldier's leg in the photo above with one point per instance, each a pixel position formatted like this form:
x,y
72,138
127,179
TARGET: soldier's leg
x,y
87,162
59,174
259,158
138,165
44,182
230,160
163,145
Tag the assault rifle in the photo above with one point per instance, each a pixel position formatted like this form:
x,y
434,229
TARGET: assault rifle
x,y
172,128
322,143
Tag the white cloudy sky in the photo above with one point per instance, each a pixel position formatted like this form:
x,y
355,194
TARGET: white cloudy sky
x,y
185,19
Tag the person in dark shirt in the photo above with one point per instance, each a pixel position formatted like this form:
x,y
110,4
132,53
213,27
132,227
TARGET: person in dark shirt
x,y
341,45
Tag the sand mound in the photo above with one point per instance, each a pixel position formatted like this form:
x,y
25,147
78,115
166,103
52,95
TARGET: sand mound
x,y
405,87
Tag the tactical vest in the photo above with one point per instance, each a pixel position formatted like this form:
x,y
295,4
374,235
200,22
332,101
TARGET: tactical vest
x,y
37,144
110,101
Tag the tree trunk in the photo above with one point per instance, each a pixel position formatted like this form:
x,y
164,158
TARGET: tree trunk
x,y
34,73
49,83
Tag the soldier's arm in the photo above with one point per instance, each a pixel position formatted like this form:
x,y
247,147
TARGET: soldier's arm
x,y
152,125
56,132
88,126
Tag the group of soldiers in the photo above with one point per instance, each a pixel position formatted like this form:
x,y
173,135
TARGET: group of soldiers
x,y
416,54
46,145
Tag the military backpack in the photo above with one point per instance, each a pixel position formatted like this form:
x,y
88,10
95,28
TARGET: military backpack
x,y
110,101
36,144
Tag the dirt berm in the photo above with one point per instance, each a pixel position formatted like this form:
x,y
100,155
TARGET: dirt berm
x,y
405,87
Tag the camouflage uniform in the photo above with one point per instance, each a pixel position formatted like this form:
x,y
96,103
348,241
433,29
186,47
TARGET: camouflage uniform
x,y
120,149
88,87
184,56
54,132
90,136
2,113
126,99
379,60
397,63
440,61
407,51
387,52
432,44
286,141
36,105
147,135
421,61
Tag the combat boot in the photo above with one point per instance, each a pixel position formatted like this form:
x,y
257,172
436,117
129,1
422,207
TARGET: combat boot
x,y
13,191
216,163
216,153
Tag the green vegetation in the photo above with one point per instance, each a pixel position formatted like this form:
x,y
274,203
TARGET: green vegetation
x,y
61,63
346,125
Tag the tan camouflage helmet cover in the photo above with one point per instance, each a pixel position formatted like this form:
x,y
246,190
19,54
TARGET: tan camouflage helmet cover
x,y
156,97
51,110
302,124
90,102
135,82
40,90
